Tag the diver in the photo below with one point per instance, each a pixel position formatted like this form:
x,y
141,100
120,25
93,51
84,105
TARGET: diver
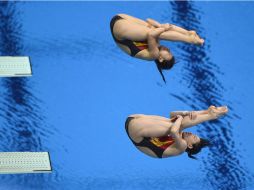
x,y
140,39
162,137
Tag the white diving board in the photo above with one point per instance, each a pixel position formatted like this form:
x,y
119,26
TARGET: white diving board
x,y
24,162
15,66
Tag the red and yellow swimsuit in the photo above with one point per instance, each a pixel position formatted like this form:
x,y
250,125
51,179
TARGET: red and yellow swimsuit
x,y
162,142
157,144
141,45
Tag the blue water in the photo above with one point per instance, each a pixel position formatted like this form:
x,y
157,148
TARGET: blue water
x,y
83,87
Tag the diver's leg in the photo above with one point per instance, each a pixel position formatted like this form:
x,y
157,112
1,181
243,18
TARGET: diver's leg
x,y
211,114
179,37
187,113
124,29
151,22
149,127
171,27
151,117
134,19
156,24
181,30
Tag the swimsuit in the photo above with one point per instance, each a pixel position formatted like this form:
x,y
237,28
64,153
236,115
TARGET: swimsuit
x,y
134,46
157,144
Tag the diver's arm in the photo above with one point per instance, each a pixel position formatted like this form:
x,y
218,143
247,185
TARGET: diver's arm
x,y
175,128
176,134
152,40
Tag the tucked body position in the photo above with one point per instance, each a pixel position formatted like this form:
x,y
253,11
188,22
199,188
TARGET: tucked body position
x,y
141,39
162,137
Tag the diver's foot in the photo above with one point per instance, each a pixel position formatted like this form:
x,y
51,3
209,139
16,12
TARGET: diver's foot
x,y
195,39
192,32
202,41
217,112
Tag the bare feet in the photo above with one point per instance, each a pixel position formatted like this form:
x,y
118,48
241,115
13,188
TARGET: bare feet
x,y
195,39
217,112
192,32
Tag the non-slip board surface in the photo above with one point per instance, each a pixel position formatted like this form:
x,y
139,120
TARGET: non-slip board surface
x,y
24,162
12,66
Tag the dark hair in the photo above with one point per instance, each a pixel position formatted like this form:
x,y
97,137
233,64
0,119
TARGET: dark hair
x,y
197,148
164,65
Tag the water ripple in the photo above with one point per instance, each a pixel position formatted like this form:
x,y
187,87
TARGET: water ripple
x,y
223,166
23,125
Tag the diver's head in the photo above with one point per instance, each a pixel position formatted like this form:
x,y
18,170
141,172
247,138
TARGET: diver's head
x,y
165,60
194,144
165,54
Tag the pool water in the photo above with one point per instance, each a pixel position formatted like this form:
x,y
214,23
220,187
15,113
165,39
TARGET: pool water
x,y
83,88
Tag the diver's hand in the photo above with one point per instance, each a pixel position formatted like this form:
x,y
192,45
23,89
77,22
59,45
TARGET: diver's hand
x,y
176,126
179,117
156,32
167,26
192,115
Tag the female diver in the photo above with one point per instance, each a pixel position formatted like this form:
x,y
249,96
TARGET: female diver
x,y
140,39
161,137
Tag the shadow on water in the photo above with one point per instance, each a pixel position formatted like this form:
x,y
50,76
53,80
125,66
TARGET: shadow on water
x,y
22,123
223,166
